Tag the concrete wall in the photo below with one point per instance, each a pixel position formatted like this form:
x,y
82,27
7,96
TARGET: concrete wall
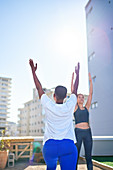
x,y
99,17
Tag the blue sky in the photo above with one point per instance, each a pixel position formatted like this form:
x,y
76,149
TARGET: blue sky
x,y
53,33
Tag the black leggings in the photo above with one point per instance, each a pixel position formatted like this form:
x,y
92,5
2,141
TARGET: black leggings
x,y
85,136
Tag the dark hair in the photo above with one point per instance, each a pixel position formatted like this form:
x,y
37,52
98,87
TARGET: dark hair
x,y
80,94
60,92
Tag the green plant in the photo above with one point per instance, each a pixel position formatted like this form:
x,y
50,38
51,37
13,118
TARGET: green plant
x,y
4,143
38,150
108,160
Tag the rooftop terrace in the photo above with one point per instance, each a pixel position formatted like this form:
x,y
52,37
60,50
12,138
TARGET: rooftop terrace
x,y
34,166
25,150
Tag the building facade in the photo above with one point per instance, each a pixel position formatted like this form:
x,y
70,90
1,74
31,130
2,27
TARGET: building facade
x,y
99,22
5,86
11,129
32,117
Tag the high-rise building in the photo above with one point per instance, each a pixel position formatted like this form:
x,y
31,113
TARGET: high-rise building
x,y
5,85
99,20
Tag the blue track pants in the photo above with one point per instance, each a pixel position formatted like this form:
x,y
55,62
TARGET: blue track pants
x,y
63,150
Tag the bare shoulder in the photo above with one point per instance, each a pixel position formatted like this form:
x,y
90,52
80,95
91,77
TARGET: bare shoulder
x,y
76,107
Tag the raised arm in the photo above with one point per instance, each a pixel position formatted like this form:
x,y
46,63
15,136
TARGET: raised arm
x,y
36,81
72,82
88,103
74,87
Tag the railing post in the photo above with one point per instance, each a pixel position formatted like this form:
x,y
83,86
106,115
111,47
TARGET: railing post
x,y
16,151
31,150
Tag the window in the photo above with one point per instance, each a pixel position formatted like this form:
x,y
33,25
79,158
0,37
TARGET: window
x,y
4,84
89,11
92,30
3,101
42,131
94,78
4,93
4,88
3,111
94,105
5,80
38,106
43,112
4,97
3,106
91,56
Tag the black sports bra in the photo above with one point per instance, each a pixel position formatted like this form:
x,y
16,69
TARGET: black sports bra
x,y
81,115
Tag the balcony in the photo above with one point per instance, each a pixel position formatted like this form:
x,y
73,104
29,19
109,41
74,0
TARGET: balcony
x,y
5,93
2,121
4,102
6,85
2,125
3,116
3,112
4,107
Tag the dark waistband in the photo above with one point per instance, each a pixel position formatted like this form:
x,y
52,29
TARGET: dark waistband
x,y
83,129
58,141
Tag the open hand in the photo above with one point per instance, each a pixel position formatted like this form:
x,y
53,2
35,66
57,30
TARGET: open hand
x,y
34,68
77,68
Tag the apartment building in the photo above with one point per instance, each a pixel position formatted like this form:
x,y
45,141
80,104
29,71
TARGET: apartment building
x,y
11,129
32,116
5,86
